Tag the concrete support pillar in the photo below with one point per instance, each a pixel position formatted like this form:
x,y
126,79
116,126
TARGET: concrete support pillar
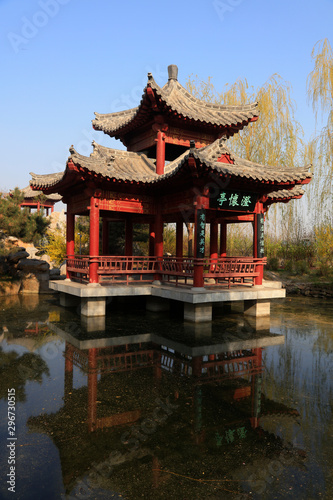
x,y
93,240
70,237
257,308
105,237
67,300
179,239
93,306
93,323
197,313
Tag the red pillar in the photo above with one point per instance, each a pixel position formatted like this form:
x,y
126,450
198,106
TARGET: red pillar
x,y
179,239
105,237
198,279
158,238
151,239
223,239
68,370
52,209
92,389
259,267
160,152
214,239
128,237
70,235
93,240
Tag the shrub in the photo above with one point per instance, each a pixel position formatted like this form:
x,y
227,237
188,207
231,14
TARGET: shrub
x,y
273,264
289,266
301,267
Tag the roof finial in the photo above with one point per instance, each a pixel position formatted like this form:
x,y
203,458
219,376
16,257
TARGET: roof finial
x,y
173,72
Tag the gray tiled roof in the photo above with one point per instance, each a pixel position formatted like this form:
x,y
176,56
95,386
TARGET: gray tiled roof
x,y
30,193
130,166
178,101
248,169
285,194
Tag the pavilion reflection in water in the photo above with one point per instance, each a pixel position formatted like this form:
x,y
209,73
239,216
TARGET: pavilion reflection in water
x,y
153,405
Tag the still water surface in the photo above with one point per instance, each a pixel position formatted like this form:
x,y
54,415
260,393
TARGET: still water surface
x,y
148,407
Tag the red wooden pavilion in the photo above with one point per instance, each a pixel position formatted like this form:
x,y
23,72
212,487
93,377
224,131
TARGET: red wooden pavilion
x,y
32,201
177,169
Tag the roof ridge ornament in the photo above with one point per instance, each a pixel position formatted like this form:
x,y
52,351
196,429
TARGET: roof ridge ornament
x,y
173,72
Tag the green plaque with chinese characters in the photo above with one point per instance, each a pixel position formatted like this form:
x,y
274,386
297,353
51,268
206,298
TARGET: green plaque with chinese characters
x,y
239,201
201,233
260,235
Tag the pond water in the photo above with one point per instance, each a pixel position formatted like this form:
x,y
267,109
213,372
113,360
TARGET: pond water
x,y
145,406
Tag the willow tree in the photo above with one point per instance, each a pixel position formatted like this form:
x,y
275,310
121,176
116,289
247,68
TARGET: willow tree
x,y
274,139
320,95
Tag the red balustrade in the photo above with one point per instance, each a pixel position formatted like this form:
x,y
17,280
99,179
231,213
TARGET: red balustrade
x,y
195,272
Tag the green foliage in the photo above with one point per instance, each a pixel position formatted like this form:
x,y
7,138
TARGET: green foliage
x,y
324,244
18,222
301,267
289,266
320,149
169,239
55,245
239,240
272,264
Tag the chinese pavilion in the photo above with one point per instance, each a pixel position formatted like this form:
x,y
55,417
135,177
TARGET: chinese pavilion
x,y
34,201
177,169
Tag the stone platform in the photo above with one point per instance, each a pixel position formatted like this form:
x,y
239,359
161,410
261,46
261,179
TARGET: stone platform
x,y
198,302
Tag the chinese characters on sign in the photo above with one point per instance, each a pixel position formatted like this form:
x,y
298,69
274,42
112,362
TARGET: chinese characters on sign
x,y
230,435
234,200
260,236
201,221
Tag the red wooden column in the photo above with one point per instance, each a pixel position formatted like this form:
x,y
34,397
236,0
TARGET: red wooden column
x,y
198,279
105,237
179,239
223,239
92,389
129,237
258,210
158,239
68,371
160,152
151,239
93,240
70,237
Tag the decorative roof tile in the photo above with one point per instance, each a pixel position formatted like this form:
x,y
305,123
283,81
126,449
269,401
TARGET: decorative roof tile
x,y
137,167
177,101
30,193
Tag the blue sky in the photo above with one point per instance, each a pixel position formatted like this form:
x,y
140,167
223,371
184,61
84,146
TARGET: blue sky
x,y
64,59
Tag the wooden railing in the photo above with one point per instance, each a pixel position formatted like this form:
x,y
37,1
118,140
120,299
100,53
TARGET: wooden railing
x,y
123,269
